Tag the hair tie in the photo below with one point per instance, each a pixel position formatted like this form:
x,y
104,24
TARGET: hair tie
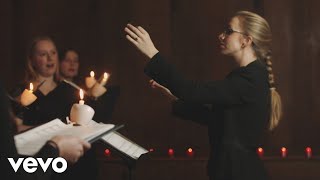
x,y
269,63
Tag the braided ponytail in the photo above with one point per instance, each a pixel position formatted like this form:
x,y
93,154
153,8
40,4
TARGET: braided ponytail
x,y
276,106
257,27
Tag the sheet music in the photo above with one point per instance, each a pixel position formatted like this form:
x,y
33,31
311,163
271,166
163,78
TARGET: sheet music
x,y
30,142
124,145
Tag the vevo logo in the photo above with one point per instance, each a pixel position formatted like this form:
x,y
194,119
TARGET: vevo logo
x,y
30,164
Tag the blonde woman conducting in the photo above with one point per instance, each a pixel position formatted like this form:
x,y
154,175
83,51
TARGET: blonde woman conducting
x,y
242,105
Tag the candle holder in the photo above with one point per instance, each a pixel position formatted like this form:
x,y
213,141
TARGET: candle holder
x,y
81,114
27,97
98,90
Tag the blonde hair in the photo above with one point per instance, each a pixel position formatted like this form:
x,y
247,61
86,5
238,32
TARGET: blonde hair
x,y
31,73
258,28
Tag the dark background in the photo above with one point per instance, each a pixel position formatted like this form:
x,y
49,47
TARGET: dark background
x,y
186,32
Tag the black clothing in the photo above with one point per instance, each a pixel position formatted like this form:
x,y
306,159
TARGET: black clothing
x,y
105,104
236,111
58,103
8,149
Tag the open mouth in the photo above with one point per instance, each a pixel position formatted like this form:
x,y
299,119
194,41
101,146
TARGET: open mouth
x,y
50,65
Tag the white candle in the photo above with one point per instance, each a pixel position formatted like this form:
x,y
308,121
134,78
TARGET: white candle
x,y
81,97
105,79
97,90
90,81
27,96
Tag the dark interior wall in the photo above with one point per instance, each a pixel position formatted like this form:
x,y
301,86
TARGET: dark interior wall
x,y
280,17
6,44
296,54
313,40
186,32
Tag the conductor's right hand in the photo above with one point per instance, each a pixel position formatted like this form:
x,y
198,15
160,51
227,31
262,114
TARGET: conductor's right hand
x,y
141,39
70,148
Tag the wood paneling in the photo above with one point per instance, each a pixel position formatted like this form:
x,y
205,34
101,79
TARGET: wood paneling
x,y
186,32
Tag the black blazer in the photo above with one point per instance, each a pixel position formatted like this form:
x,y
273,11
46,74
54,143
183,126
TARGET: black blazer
x,y
236,111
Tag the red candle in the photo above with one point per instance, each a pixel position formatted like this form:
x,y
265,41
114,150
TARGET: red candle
x,y
308,152
284,152
190,152
260,152
107,152
151,150
170,152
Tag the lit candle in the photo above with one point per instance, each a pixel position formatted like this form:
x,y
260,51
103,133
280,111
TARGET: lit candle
x,y
284,152
308,152
90,81
81,97
190,152
170,152
107,152
31,87
260,152
81,113
27,96
151,150
105,79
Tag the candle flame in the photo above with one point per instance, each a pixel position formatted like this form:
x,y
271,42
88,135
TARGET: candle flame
x,y
105,76
91,73
31,87
81,94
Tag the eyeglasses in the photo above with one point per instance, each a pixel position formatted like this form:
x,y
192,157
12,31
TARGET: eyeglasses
x,y
228,31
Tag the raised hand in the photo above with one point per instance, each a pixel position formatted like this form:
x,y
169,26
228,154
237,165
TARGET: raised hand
x,y
141,39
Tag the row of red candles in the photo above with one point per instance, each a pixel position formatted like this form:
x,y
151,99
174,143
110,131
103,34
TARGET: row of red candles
x,y
190,152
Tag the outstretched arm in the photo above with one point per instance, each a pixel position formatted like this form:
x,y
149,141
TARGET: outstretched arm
x,y
236,89
162,89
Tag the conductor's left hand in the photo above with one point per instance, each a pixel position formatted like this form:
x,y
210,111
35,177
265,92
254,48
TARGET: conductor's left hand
x,y
141,39
162,89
